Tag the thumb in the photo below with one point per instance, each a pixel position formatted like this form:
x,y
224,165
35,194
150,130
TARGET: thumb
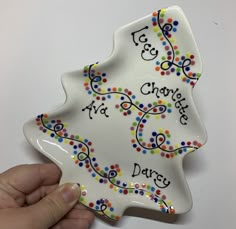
x,y
53,207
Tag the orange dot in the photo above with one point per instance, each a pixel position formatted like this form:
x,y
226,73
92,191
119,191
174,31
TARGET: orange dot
x,y
109,205
133,140
167,131
38,123
125,105
98,73
76,162
114,89
45,116
177,59
83,149
140,113
111,186
117,217
118,170
157,68
85,84
154,14
162,38
164,147
159,101
170,20
98,169
149,145
60,133
190,74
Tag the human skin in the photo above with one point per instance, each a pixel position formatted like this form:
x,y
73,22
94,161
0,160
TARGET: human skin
x,y
31,198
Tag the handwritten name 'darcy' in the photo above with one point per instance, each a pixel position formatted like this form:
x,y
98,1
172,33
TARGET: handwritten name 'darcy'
x,y
151,88
159,180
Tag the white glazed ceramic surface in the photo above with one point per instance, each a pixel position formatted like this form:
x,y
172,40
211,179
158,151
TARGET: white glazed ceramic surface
x,y
128,121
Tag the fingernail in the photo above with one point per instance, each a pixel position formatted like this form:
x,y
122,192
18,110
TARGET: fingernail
x,y
70,193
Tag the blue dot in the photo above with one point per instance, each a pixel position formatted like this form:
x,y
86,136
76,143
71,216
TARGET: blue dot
x,y
180,63
168,142
97,207
187,68
134,145
104,74
163,210
133,96
154,134
81,164
138,119
60,139
175,23
89,92
164,43
152,189
141,105
178,73
144,151
154,19
151,139
140,134
182,143
86,140
93,159
95,86
155,200
122,97
153,145
120,191
124,184
174,29
106,168
93,174
85,75
157,63
111,209
108,96
98,202
136,191
49,126
144,120
75,152
188,81
169,110
101,181
52,135
53,121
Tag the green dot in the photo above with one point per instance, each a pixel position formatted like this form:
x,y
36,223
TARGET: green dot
x,y
134,123
112,216
100,83
119,89
169,105
162,15
94,95
152,151
198,74
168,135
140,139
81,199
159,34
77,137
177,69
121,110
137,103
163,57
148,187
147,116
155,103
131,191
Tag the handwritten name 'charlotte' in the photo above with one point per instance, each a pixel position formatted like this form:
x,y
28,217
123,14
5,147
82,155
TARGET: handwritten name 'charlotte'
x,y
180,102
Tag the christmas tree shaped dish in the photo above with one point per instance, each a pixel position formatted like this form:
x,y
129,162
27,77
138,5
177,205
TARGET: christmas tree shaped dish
x,y
128,121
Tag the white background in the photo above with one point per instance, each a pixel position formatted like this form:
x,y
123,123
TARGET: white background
x,y
39,40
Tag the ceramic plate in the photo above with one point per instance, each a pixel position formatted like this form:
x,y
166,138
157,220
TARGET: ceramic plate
x,y
128,121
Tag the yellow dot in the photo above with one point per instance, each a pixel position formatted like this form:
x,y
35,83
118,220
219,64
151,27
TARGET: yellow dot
x,y
172,40
73,157
161,130
157,151
66,141
117,96
95,65
157,117
155,29
163,10
165,65
132,132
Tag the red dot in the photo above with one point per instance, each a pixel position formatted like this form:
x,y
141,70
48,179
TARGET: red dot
x,y
91,204
192,56
162,73
112,167
98,98
167,156
104,80
129,93
158,192
141,125
71,143
154,23
169,57
125,192
154,110
138,149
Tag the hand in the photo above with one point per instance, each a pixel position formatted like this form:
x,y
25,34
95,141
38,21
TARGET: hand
x,y
31,199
